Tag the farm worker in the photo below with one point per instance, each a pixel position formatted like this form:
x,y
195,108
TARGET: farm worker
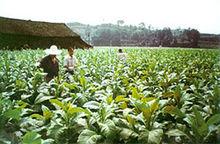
x,y
50,63
70,61
121,55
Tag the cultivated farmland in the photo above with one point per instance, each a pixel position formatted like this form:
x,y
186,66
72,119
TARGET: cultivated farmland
x,y
155,96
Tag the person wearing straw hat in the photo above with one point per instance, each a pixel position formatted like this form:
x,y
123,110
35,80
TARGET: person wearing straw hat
x,y
50,63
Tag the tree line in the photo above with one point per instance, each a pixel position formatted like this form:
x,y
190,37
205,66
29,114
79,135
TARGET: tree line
x,y
129,35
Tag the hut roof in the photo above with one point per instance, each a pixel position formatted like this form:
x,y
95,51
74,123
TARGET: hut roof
x,y
35,28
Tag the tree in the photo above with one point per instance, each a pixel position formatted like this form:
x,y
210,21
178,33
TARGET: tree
x,y
120,22
193,37
142,25
165,37
130,35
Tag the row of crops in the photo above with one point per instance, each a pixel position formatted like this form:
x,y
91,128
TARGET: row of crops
x,y
155,96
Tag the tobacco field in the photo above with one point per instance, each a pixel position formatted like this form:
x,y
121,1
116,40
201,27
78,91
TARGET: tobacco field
x,y
156,96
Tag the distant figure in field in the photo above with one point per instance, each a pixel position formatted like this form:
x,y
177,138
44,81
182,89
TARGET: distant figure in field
x,y
121,55
50,64
70,61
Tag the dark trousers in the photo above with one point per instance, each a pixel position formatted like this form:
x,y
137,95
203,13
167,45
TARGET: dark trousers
x,y
48,78
69,71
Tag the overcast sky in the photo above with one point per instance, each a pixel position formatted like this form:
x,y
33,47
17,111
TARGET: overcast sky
x,y
203,15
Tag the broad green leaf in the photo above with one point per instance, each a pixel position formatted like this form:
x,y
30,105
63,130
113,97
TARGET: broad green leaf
x,y
140,105
214,119
46,112
4,141
135,93
109,99
147,113
193,87
198,117
216,91
155,136
48,141
77,110
128,133
13,113
127,111
88,137
55,129
174,110
58,103
25,96
144,108
175,133
168,95
163,103
92,105
20,84
22,104
123,105
37,116
130,119
143,137
177,93
71,86
6,138
83,81
109,130
41,98
147,99
31,138
154,106
121,98
203,129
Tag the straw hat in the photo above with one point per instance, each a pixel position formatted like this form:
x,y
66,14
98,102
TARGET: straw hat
x,y
53,50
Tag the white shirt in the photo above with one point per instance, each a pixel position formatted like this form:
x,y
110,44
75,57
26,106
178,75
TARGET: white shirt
x,y
70,62
122,56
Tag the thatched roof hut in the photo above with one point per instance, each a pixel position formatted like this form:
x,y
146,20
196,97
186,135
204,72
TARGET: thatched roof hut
x,y
15,33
